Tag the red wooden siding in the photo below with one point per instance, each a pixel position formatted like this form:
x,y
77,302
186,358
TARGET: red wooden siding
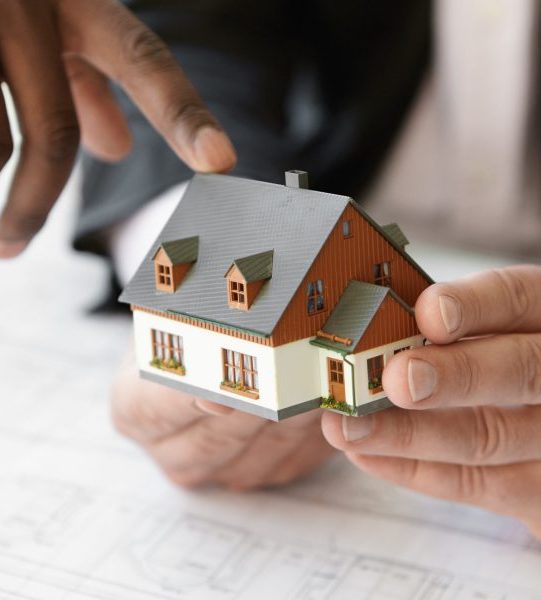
x,y
339,261
391,323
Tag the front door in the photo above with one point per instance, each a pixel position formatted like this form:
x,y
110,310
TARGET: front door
x,y
336,379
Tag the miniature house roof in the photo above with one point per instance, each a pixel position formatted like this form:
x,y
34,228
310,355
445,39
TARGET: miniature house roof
x,y
256,267
180,251
234,217
240,217
396,234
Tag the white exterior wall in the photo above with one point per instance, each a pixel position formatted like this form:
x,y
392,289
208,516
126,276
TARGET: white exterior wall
x,y
203,356
297,368
288,374
362,393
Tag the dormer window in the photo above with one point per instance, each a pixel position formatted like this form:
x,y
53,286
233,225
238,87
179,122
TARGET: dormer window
x,y
245,278
164,275
172,261
237,294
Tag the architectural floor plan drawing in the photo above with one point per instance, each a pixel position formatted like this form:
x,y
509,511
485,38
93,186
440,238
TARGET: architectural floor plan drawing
x,y
66,541
85,515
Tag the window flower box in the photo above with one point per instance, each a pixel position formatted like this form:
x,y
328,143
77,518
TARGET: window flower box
x,y
240,390
374,386
171,366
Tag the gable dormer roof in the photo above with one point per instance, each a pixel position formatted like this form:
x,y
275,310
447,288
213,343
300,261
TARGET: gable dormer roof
x,y
396,234
180,251
256,267
353,314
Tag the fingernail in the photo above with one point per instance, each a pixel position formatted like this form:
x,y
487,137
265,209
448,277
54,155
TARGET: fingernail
x,y
11,249
356,428
213,150
451,313
422,379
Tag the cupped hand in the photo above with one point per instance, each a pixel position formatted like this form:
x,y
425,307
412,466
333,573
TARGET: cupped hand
x,y
472,429
56,57
198,442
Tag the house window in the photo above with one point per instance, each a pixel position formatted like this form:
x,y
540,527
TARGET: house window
x,y
346,229
315,297
240,371
382,274
336,371
167,347
237,292
164,275
375,370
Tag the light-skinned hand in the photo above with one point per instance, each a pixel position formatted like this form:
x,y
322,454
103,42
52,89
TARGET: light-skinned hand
x,y
199,442
472,429
56,57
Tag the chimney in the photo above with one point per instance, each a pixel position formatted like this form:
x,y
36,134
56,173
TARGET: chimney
x,y
297,179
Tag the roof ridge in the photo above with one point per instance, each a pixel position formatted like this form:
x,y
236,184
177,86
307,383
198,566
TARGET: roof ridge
x,y
270,184
254,255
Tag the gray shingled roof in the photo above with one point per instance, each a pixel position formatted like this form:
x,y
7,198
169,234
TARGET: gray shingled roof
x,y
255,267
181,251
239,217
396,234
352,315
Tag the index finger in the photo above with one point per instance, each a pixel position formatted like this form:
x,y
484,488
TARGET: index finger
x,y
110,37
496,301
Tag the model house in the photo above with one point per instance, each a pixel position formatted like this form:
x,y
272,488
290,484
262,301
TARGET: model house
x,y
274,299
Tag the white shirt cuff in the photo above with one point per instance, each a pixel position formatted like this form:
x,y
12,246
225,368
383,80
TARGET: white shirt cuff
x,y
131,240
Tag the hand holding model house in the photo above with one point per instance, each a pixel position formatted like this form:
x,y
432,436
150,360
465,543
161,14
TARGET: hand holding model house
x,y
209,311
471,431
272,300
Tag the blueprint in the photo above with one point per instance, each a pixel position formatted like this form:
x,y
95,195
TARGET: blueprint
x,y
85,514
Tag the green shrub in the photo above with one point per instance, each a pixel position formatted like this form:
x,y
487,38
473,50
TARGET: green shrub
x,y
341,406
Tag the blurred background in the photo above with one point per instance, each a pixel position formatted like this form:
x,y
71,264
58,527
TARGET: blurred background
x,y
462,181
466,169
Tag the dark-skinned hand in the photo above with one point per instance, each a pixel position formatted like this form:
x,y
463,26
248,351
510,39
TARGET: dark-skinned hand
x,y
56,57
